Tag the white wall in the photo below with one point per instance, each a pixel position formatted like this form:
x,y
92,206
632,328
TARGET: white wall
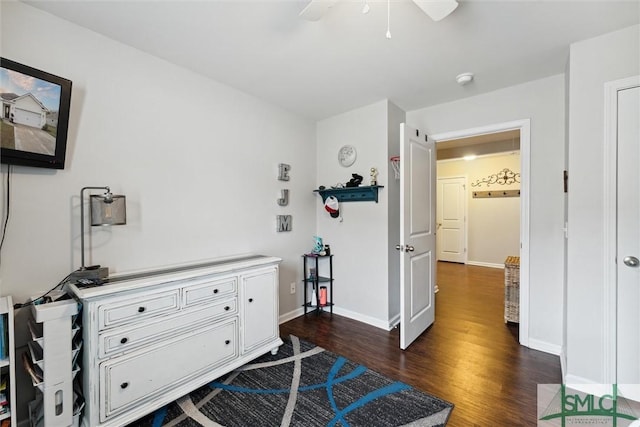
x,y
592,63
493,224
542,101
197,161
360,241
563,353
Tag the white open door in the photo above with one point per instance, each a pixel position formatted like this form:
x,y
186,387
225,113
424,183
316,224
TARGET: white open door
x,y
451,217
417,233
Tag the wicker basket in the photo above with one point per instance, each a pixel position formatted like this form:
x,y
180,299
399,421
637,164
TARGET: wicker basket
x,y
512,289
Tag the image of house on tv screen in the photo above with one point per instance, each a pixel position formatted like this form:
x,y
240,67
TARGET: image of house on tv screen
x,y
30,109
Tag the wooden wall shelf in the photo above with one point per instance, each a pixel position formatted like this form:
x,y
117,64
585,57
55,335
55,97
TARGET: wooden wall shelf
x,y
351,194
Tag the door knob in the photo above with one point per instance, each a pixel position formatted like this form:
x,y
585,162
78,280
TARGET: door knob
x,y
409,248
399,247
631,261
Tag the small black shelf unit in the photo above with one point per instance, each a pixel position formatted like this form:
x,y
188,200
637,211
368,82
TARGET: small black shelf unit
x,y
317,280
351,194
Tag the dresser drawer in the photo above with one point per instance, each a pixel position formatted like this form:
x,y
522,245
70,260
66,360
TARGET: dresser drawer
x,y
207,291
137,308
129,380
127,338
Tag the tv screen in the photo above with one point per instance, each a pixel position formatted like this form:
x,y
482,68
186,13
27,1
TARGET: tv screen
x,y
34,116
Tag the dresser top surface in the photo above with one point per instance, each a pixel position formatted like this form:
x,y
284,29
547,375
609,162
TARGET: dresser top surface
x,y
144,278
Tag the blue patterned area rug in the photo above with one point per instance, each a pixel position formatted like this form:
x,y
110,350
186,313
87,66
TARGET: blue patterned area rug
x,y
302,385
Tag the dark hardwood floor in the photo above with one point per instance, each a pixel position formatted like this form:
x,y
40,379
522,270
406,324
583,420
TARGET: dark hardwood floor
x,y
468,356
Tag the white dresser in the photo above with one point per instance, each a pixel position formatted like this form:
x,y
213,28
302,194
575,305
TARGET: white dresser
x,y
153,336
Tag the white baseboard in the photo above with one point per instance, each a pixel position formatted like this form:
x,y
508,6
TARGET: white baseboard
x,y
290,315
587,386
387,326
362,318
394,321
575,379
485,264
545,347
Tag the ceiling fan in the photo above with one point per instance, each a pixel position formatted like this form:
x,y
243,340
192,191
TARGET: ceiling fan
x,y
435,9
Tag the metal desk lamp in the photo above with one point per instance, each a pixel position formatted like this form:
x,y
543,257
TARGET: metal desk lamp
x,y
106,209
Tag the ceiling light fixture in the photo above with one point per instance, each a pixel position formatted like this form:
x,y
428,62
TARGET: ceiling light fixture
x,y
314,10
464,78
437,9
365,8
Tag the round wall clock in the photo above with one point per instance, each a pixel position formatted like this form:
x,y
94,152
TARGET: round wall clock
x,y
347,155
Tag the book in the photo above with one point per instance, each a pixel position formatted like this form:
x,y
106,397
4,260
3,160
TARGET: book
x,y
34,371
3,349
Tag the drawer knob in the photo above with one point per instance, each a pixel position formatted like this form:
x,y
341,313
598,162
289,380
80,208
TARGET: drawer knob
x,y
124,340
215,291
227,342
227,308
141,309
124,385
250,299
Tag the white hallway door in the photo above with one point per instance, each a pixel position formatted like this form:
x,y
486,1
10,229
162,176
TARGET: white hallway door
x,y
417,231
451,212
628,239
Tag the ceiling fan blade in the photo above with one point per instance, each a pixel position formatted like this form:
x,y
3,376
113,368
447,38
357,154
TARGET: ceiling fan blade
x,y
315,9
437,9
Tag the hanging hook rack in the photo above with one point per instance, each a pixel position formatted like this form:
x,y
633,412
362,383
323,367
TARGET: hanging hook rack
x,y
495,194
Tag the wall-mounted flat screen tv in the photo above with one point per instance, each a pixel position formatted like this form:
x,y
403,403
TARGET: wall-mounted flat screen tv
x,y
34,116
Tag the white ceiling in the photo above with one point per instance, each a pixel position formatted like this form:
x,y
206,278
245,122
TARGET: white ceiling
x,y
319,69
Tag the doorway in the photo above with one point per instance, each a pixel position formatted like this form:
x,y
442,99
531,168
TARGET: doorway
x,y
478,221
523,128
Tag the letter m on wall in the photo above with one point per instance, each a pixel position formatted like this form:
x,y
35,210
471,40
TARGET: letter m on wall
x,y
284,223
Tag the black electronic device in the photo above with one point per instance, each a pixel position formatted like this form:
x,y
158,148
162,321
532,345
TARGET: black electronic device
x,y
34,116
